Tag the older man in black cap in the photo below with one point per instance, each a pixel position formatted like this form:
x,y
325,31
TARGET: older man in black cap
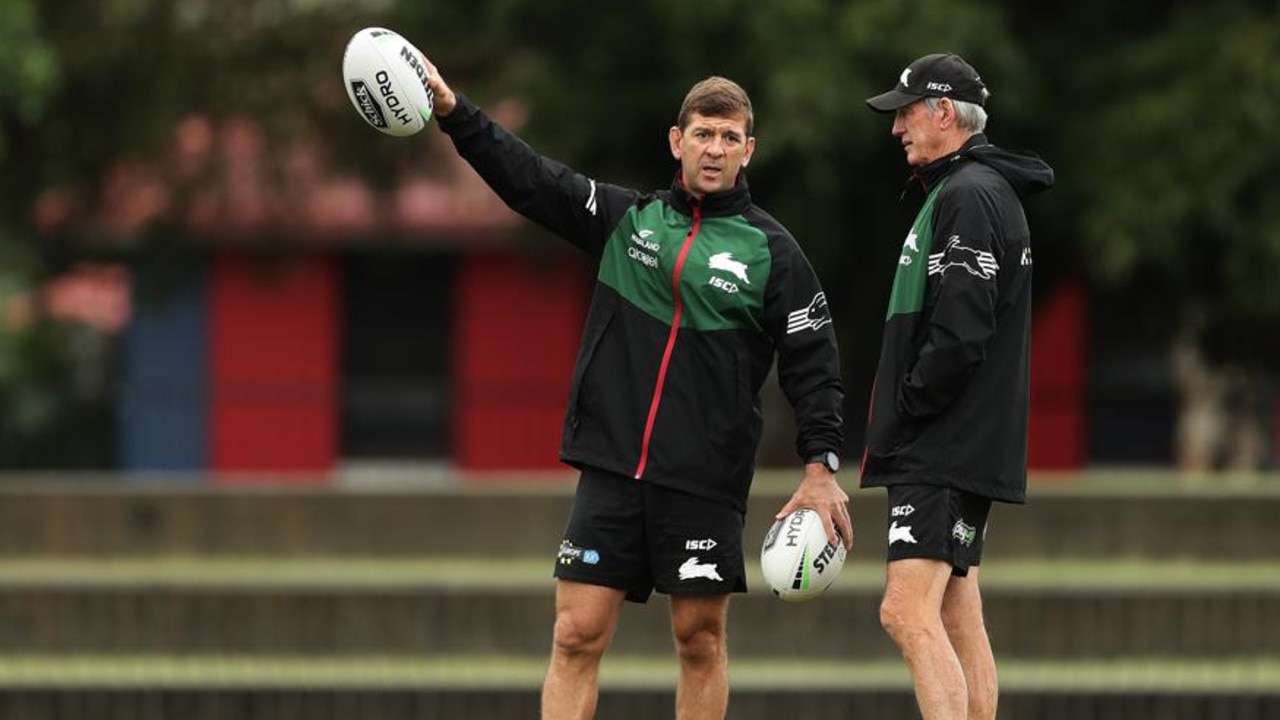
x,y
948,428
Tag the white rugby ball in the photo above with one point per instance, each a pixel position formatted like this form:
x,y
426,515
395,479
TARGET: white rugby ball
x,y
386,79
796,560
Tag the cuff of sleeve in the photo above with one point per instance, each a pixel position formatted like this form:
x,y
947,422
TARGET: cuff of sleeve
x,y
463,111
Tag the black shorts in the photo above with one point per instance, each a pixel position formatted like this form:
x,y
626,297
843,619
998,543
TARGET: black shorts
x,y
640,537
931,521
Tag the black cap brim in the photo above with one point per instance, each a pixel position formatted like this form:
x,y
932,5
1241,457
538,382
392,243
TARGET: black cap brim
x,y
891,101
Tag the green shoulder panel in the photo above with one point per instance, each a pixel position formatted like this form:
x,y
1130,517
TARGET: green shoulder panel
x,y
913,264
722,280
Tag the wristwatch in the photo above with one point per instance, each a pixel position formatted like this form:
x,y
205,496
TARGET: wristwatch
x,y
828,458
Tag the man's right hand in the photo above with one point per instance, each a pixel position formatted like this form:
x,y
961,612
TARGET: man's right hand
x,y
820,491
445,99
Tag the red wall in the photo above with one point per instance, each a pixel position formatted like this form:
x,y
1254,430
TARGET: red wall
x,y
1058,381
516,336
274,364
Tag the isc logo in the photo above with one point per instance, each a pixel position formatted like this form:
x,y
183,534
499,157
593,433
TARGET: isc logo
x,y
725,285
705,544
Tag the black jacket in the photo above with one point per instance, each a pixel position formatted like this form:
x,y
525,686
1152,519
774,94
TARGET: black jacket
x,y
692,302
950,401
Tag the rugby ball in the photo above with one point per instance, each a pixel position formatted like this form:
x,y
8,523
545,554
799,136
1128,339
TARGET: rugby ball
x,y
796,560
386,79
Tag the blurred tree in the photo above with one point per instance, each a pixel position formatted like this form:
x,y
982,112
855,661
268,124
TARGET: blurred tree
x,y
1155,114
604,87
30,365
1175,158
93,94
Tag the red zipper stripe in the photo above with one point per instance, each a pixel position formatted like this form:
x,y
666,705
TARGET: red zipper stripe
x,y
871,415
671,341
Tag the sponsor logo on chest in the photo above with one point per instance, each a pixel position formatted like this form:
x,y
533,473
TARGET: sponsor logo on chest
x,y
644,248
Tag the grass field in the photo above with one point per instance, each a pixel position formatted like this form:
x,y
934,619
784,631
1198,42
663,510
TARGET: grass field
x,y
169,672
524,573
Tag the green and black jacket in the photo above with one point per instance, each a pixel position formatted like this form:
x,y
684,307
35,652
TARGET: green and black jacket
x,y
950,402
692,302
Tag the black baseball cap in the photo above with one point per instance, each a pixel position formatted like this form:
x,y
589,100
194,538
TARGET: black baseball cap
x,y
938,75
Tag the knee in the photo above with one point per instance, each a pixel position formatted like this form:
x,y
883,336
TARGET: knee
x,y
575,638
704,644
902,620
892,618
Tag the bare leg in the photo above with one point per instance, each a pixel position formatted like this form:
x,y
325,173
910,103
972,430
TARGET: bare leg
x,y
699,627
586,616
911,613
962,616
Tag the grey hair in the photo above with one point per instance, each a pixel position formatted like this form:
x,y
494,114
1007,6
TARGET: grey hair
x,y
969,116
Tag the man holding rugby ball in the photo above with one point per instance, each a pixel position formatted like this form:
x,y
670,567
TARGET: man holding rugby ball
x,y
698,291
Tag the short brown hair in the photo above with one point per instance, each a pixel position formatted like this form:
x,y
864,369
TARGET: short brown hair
x,y
716,97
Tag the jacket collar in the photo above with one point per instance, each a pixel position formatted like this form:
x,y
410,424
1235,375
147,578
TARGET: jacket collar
x,y
734,201
929,175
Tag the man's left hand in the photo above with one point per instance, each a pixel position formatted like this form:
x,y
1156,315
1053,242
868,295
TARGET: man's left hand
x,y
821,492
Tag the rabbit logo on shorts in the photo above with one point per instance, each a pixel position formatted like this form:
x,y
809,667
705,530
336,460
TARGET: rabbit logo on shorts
x,y
692,569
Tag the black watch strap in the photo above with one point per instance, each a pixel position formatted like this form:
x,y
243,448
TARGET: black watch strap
x,y
828,459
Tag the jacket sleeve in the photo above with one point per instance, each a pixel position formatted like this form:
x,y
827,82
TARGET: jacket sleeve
x,y
963,266
549,193
799,324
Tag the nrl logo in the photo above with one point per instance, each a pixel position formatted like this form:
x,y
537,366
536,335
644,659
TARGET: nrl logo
x,y
964,533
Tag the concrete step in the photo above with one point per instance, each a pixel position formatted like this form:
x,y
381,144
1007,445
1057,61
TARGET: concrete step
x,y
1160,516
438,607
632,687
